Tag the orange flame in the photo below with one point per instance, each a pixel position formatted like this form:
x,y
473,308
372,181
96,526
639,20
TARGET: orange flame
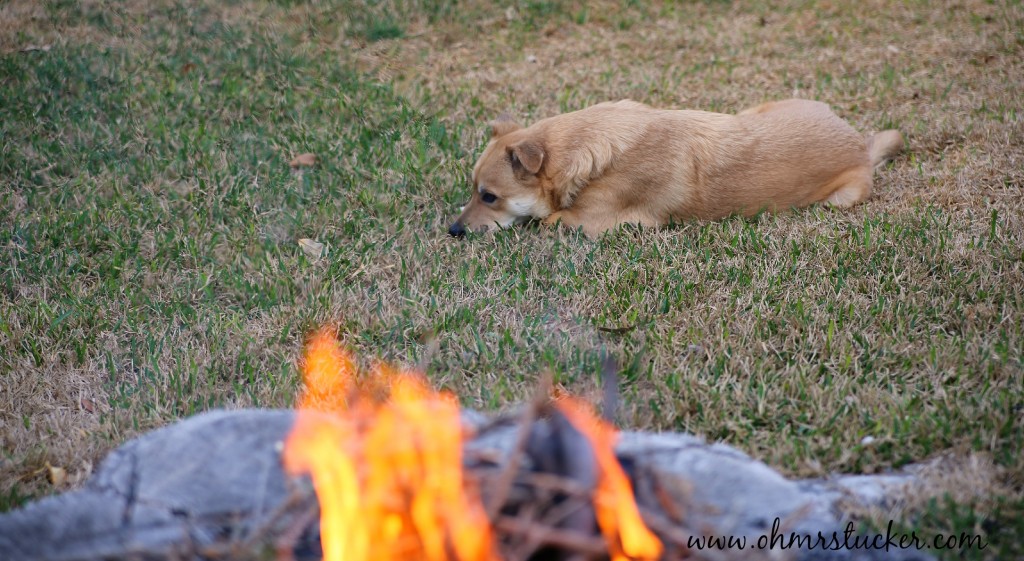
x,y
389,477
617,513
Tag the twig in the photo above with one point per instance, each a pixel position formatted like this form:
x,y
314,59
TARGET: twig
x,y
561,512
591,546
284,545
554,482
295,497
665,500
505,479
526,545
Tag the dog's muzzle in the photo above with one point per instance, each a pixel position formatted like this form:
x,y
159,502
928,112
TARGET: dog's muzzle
x,y
456,230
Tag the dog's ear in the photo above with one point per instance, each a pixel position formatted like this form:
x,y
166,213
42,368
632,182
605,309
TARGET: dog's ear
x,y
503,125
526,155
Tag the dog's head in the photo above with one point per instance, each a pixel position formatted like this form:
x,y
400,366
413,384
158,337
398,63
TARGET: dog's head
x,y
508,183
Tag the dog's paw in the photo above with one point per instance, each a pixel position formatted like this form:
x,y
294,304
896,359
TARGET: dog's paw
x,y
552,219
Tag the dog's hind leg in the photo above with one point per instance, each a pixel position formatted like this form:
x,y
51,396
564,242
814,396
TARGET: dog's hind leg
x,y
883,146
849,188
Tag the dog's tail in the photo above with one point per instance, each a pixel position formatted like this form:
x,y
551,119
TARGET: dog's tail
x,y
883,146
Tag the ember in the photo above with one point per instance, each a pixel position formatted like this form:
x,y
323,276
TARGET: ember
x,y
385,455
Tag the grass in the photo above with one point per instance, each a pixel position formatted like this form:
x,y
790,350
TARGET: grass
x,y
149,222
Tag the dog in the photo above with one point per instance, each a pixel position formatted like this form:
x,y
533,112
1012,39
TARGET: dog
x,y
626,162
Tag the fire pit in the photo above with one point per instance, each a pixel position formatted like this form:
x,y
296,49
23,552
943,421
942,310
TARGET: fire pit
x,y
397,472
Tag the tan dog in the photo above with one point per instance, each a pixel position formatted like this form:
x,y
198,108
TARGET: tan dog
x,y
625,162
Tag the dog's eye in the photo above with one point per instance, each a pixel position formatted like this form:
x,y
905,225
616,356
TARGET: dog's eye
x,y
488,197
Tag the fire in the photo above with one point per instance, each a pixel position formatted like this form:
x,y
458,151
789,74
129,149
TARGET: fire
x,y
389,473
617,513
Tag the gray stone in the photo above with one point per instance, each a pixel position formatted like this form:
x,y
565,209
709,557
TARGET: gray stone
x,y
187,483
734,495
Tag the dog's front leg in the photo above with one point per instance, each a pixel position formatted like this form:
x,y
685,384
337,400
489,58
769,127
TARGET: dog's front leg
x,y
593,225
553,218
567,217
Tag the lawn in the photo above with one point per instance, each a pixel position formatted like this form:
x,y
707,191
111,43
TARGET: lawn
x,y
150,267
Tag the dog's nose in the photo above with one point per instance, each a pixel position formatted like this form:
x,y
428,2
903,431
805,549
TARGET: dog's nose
x,y
456,230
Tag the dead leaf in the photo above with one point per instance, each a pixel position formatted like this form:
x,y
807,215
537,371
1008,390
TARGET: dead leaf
x,y
56,475
87,404
312,248
304,160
